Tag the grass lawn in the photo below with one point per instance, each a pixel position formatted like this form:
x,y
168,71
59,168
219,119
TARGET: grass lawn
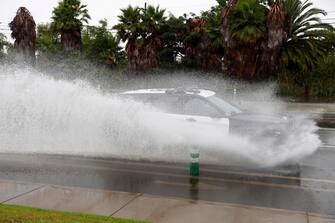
x,y
18,214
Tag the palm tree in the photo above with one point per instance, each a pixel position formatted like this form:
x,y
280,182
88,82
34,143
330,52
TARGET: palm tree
x,y
306,36
128,30
141,29
243,30
152,20
68,19
304,46
24,33
264,36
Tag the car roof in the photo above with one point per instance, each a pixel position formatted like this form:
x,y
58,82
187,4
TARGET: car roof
x,y
195,91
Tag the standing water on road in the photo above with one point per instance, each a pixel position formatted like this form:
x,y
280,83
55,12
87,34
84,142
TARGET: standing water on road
x,y
39,114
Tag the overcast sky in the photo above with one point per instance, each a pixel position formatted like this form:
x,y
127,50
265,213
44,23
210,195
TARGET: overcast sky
x,y
110,9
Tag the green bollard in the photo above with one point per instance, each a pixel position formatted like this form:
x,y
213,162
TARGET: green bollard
x,y
194,164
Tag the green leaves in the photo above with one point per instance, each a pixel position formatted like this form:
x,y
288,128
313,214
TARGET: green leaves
x,y
172,35
214,24
128,25
141,29
69,15
100,45
46,39
305,45
248,21
135,22
68,19
222,3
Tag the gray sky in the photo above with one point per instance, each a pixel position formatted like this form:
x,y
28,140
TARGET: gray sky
x,y
100,9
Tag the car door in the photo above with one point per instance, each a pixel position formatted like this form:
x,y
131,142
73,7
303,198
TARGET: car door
x,y
189,115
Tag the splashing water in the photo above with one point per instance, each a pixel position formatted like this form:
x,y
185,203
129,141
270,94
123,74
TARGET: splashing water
x,y
41,115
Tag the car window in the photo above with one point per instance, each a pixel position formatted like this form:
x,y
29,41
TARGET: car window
x,y
167,103
224,106
198,106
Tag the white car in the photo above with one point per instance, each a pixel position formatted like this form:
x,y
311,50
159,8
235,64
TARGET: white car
x,y
203,111
204,108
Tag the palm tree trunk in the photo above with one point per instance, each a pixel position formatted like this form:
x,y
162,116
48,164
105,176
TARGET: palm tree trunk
x,y
71,40
23,31
230,55
132,55
143,57
276,35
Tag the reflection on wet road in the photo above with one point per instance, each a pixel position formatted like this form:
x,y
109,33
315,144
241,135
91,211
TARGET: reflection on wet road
x,y
312,189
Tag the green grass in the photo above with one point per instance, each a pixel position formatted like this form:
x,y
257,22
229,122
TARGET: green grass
x,y
18,214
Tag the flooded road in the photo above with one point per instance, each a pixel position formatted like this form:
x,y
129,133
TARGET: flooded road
x,y
312,189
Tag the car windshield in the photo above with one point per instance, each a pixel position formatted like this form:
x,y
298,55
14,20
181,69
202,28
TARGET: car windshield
x,y
224,106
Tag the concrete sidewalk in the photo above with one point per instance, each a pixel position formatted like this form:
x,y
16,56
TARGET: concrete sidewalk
x,y
144,207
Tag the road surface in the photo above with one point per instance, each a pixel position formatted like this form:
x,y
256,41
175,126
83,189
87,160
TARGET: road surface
x,y
311,191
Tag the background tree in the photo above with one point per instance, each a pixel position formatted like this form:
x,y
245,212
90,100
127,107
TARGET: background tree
x,y
140,28
67,20
196,41
152,21
306,43
23,31
3,45
47,40
203,40
172,37
262,37
228,44
306,34
128,30
245,21
271,45
99,45
212,44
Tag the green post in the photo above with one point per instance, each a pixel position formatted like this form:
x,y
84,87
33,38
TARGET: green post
x,y
194,164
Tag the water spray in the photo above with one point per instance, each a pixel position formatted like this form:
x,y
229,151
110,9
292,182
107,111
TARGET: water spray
x,y
39,114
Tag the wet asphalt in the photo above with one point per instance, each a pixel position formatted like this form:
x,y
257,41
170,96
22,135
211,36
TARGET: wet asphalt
x,y
308,187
